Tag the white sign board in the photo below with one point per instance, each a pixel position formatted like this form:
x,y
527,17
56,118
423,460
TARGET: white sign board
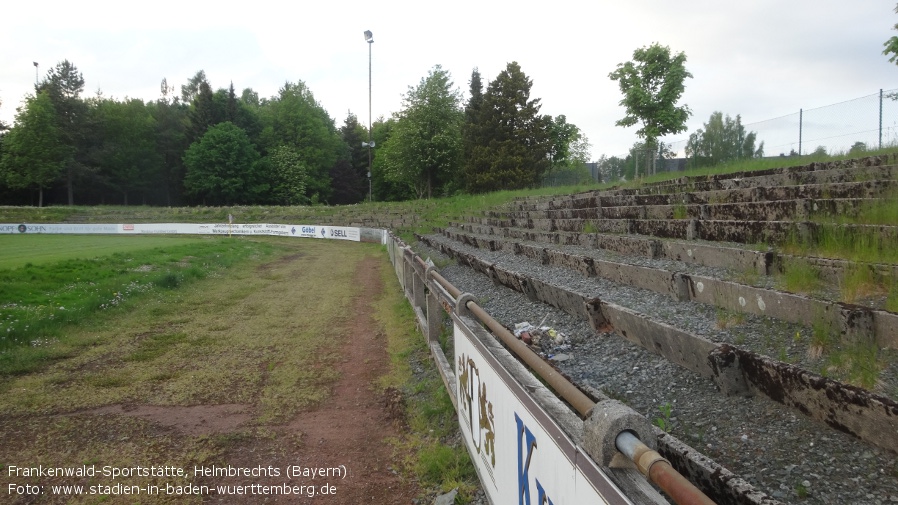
x,y
521,454
283,230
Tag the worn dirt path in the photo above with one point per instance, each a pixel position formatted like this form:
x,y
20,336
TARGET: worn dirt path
x,y
351,429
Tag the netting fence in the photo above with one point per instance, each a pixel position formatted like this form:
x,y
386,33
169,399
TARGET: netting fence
x,y
860,124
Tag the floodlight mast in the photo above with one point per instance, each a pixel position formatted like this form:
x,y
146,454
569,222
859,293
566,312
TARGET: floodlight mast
x,y
369,38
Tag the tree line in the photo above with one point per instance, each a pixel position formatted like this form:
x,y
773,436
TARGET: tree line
x,y
205,147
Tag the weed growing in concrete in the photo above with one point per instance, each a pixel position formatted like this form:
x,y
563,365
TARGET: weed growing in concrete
x,y
680,212
727,318
858,282
799,276
822,337
801,491
892,300
590,227
858,364
664,421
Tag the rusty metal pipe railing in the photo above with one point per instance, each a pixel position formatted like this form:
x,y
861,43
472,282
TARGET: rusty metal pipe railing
x,y
659,471
454,291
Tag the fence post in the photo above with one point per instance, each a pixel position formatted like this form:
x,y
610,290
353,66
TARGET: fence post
x,y
880,118
800,127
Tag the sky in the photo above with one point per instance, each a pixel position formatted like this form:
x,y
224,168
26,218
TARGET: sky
x,y
761,59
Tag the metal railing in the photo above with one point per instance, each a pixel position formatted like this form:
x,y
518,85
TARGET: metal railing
x,y
425,285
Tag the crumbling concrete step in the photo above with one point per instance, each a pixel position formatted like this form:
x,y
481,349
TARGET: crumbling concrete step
x,y
743,232
591,200
846,408
734,259
853,323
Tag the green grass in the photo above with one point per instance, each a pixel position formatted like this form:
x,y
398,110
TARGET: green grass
x,y
18,250
435,456
892,299
858,282
38,302
799,276
857,364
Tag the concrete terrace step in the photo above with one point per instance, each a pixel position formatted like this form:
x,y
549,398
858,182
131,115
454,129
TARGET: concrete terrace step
x,y
853,322
848,190
779,210
822,175
735,258
743,232
736,371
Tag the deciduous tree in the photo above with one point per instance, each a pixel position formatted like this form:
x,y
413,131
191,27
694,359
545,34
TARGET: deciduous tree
x,y
652,84
221,168
34,152
424,151
721,140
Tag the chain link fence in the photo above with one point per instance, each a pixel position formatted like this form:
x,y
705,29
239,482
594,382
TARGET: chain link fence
x,y
866,123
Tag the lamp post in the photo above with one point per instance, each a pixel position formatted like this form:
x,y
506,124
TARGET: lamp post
x,y
369,38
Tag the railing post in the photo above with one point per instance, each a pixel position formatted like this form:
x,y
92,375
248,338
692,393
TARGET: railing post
x,y
434,309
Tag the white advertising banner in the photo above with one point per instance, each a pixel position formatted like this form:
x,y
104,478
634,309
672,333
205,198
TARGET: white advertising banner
x,y
283,230
521,454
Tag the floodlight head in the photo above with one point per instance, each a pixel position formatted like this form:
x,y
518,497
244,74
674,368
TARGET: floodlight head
x,y
35,63
369,37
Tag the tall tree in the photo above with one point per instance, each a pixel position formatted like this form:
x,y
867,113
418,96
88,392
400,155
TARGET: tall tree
x,y
424,151
64,85
652,84
512,144
472,127
128,160
349,176
190,90
721,140
34,153
170,116
222,168
891,45
290,174
295,119
202,114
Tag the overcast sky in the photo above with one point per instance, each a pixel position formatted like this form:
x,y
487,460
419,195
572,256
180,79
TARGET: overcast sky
x,y
761,58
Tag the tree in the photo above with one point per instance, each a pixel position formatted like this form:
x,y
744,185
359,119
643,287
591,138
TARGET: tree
x,y
891,45
424,151
64,84
190,90
471,135
221,167
202,114
858,148
170,115
723,139
383,189
511,141
34,151
652,84
127,157
290,174
349,174
294,118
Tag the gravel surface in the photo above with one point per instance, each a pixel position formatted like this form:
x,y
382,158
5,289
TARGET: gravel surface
x,y
782,453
